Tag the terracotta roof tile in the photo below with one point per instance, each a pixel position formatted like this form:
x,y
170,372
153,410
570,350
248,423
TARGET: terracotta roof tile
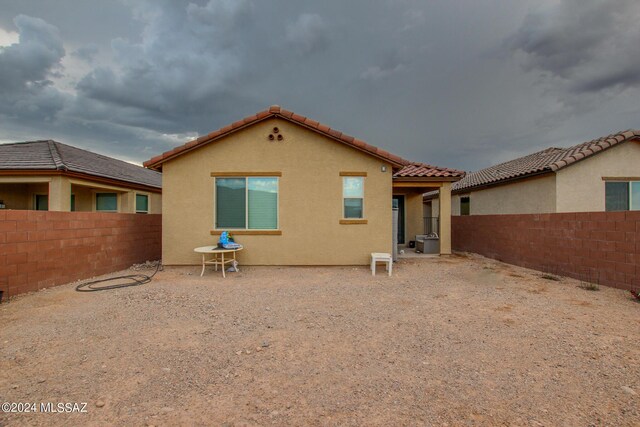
x,y
311,123
276,111
548,160
416,170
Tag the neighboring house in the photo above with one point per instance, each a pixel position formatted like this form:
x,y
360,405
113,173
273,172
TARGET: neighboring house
x,y
49,175
293,192
595,176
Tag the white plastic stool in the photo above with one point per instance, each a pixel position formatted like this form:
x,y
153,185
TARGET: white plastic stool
x,y
381,257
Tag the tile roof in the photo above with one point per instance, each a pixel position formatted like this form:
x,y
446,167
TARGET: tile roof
x,y
55,156
548,160
418,169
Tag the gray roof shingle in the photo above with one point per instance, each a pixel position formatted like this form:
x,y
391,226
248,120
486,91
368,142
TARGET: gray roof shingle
x,y
548,160
53,155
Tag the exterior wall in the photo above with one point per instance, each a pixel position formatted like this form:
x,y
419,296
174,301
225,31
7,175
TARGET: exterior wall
x,y
40,249
455,204
155,203
580,187
18,192
310,198
599,247
84,198
445,219
21,196
413,212
533,195
435,207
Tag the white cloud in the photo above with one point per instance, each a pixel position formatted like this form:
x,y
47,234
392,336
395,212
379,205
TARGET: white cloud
x,y
8,38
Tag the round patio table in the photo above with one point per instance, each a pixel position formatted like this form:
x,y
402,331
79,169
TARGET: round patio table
x,y
218,257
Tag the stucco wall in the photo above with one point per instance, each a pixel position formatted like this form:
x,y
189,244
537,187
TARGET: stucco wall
x,y
455,204
580,187
413,210
310,198
21,196
533,195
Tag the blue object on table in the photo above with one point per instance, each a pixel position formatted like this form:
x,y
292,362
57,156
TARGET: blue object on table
x,y
224,238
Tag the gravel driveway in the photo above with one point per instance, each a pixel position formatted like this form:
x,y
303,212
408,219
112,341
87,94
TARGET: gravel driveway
x,y
445,341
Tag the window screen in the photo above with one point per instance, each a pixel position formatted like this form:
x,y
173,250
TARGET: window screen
x,y
263,203
617,196
231,203
142,203
635,196
106,202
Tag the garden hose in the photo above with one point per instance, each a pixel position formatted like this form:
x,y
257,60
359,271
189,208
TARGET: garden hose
x,y
132,280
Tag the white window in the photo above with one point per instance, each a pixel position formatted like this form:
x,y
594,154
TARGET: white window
x,y
353,197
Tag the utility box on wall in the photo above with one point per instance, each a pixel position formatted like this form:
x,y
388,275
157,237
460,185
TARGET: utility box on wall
x,y
427,244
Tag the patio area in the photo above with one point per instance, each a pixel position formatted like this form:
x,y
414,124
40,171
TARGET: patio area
x,y
459,340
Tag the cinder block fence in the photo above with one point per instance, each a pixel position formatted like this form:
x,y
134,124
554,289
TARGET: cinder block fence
x,y
590,245
41,249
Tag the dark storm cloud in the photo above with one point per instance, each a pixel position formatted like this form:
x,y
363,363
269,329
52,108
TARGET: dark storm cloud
x,y
591,45
187,55
26,68
430,81
308,34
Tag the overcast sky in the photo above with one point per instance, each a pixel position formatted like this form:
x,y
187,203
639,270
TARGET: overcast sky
x,y
462,84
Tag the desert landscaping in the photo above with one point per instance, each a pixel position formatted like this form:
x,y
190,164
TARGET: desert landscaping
x,y
460,340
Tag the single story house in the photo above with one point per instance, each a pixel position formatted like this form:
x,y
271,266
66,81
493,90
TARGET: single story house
x,y
293,191
49,175
595,176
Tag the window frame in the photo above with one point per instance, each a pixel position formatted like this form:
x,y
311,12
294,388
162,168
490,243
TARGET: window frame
x,y
344,198
246,178
95,205
629,202
136,202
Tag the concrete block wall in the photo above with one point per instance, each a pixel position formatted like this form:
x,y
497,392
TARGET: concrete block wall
x,y
43,249
605,245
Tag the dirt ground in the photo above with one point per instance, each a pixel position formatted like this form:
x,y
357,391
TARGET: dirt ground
x,y
445,341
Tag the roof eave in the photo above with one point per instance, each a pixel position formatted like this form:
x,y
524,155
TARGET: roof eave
x,y
156,162
546,171
81,175
426,178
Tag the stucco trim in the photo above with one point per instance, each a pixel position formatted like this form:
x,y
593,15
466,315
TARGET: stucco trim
x,y
620,178
249,232
353,221
353,174
243,174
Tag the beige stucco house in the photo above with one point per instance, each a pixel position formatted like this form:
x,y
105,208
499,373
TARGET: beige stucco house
x,y
595,176
49,175
293,192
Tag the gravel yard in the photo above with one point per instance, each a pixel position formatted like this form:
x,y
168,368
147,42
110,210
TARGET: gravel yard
x,y
445,341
